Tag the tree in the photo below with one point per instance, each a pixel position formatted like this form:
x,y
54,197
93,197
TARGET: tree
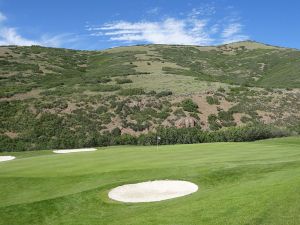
x,y
116,132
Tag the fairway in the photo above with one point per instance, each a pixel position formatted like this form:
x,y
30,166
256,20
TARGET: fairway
x,y
253,183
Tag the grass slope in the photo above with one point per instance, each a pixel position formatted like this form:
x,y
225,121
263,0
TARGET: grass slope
x,y
239,183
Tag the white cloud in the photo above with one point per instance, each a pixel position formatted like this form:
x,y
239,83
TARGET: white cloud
x,y
204,10
196,28
153,10
168,31
231,29
10,36
233,32
58,40
2,17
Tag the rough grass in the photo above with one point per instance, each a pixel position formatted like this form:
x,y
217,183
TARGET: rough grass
x,y
178,84
239,183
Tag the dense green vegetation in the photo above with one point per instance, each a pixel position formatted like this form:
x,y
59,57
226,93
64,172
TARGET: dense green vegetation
x,y
65,138
123,81
189,105
239,183
194,135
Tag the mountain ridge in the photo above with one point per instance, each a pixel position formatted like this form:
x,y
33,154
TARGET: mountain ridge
x,y
122,46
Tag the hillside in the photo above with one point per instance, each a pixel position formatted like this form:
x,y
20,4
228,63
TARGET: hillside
x,y
58,98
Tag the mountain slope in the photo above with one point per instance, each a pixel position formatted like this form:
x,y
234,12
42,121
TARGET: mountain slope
x,y
63,98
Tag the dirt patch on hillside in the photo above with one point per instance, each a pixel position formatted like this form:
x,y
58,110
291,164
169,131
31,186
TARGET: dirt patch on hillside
x,y
22,96
12,135
266,117
207,109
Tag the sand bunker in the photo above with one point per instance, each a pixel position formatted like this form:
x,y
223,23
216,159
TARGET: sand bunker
x,y
64,151
6,158
152,191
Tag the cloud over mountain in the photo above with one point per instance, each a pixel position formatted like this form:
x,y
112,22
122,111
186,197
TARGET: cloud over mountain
x,y
196,28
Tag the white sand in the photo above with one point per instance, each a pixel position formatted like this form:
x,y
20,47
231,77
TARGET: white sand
x,y
6,158
65,151
152,191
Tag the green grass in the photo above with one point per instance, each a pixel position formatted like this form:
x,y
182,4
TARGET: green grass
x,y
239,183
178,84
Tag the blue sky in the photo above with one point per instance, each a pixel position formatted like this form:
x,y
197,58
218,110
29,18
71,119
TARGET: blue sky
x,y
92,24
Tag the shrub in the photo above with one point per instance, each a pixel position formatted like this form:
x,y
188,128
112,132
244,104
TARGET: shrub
x,y
125,139
139,126
226,118
195,115
225,115
151,93
132,91
179,112
116,132
105,118
101,109
250,132
65,138
123,81
213,122
245,119
104,88
104,80
212,100
220,89
163,93
189,106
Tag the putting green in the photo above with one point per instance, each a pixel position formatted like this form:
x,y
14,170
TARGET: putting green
x,y
240,183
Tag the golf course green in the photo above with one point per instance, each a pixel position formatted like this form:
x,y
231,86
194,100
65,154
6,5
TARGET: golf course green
x,y
255,183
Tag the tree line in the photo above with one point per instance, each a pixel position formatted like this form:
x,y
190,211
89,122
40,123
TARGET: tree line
x,y
65,139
